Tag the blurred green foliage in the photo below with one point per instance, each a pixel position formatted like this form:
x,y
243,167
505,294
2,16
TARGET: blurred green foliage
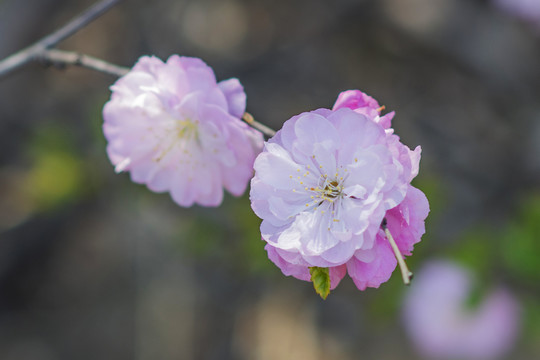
x,y
384,303
55,178
509,249
520,242
476,250
508,253
231,237
433,188
57,174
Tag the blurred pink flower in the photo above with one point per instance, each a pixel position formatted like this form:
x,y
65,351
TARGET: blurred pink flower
x,y
323,185
526,9
442,327
174,128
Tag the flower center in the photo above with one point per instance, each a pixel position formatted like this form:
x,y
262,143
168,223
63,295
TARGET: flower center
x,y
181,134
332,190
186,129
329,190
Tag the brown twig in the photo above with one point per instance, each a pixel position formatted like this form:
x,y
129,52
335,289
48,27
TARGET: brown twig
x,y
61,58
38,51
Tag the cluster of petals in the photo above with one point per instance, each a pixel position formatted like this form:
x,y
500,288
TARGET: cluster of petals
x,y
440,325
174,128
323,186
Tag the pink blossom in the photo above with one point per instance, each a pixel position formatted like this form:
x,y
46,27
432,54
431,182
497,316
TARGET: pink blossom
x,y
323,185
441,327
175,129
365,105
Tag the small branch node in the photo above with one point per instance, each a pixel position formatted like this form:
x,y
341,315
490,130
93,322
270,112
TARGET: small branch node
x,y
38,51
248,118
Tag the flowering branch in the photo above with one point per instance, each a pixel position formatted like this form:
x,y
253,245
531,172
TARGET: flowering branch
x,y
41,50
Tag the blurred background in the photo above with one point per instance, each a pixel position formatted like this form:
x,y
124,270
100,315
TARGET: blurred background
x,y
93,266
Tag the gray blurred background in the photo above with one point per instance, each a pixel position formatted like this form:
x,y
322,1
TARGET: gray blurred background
x,y
93,266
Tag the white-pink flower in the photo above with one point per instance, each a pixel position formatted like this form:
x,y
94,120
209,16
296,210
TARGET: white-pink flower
x,y
174,128
442,327
324,184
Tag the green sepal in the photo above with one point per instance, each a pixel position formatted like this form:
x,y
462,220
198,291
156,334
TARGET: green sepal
x,y
321,280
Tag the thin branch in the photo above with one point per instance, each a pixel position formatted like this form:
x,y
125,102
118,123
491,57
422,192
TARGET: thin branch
x,y
43,51
61,59
248,118
406,274
36,51
78,23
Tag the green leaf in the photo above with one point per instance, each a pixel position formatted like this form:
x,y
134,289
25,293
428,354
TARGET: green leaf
x,y
321,280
